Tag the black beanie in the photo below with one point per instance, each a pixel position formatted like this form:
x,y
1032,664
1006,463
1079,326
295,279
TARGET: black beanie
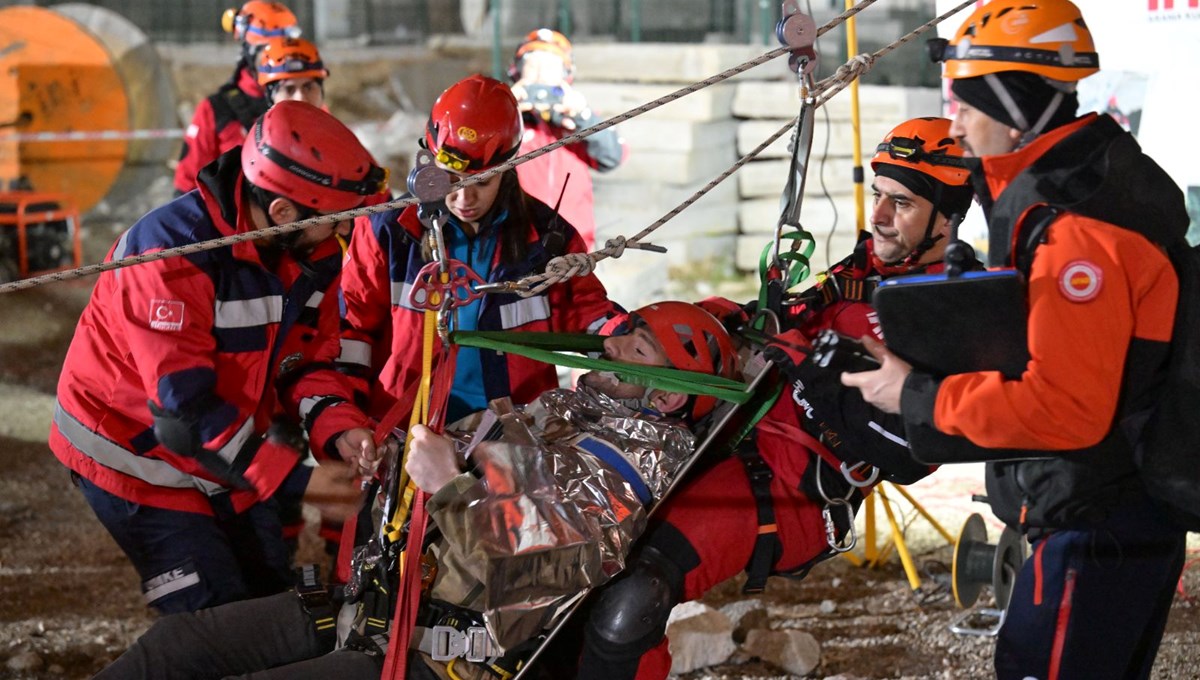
x,y
1031,93
953,199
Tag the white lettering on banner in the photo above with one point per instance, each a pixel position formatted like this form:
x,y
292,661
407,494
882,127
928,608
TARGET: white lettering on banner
x,y
166,315
248,313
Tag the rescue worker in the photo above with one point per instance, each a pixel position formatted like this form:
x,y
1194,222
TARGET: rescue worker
x,y
542,72
578,462
815,450
182,392
222,119
1094,598
292,68
495,229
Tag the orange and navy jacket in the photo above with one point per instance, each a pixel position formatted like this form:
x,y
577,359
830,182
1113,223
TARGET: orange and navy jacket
x,y
543,177
1101,302
216,334
220,122
382,330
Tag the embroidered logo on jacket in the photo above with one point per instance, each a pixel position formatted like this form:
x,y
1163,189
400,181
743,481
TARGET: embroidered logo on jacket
x,y
166,315
1080,281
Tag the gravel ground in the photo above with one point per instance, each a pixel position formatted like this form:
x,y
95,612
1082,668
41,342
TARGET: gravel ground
x,y
69,601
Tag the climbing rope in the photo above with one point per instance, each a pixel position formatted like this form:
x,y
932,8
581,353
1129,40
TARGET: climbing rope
x,y
331,218
572,264
581,264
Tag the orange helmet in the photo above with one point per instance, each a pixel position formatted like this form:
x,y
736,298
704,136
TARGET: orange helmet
x,y
543,40
306,155
1045,37
924,145
693,340
259,20
474,125
287,58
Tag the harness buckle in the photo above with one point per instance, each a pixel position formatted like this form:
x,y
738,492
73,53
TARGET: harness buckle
x,y
474,644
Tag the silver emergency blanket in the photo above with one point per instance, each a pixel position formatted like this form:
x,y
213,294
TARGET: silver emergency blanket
x,y
547,518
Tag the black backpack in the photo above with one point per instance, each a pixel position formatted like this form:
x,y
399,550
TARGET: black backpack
x,y
1165,436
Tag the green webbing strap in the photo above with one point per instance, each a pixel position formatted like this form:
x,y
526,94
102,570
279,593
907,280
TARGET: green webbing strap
x,y
797,257
550,347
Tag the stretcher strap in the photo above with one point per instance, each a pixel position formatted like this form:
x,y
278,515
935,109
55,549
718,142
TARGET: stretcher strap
x,y
544,347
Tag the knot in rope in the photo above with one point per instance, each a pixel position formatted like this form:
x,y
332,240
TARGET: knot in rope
x,y
855,67
614,247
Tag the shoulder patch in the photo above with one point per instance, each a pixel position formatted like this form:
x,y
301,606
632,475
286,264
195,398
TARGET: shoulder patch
x,y
1080,281
166,315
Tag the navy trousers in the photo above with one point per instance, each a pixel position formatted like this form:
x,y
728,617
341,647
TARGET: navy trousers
x,y
1093,604
188,561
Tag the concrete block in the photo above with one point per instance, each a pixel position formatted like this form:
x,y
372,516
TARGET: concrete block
x,y
666,62
634,279
700,637
711,103
817,214
660,195
767,178
686,252
757,99
750,246
686,167
627,220
840,134
648,134
746,615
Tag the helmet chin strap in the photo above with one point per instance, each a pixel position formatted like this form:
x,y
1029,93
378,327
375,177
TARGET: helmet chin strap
x,y
1028,132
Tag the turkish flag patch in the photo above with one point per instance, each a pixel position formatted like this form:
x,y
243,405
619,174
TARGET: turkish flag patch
x,y
1080,281
166,315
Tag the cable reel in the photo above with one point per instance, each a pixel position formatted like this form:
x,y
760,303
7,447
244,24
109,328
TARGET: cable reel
x,y
978,563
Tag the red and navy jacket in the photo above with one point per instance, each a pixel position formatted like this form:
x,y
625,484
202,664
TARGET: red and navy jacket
x,y
382,331
543,178
221,122
219,335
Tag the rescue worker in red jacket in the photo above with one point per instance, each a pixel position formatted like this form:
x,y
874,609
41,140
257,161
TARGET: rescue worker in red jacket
x,y
1093,599
222,119
577,461
181,394
542,73
495,229
292,68
816,450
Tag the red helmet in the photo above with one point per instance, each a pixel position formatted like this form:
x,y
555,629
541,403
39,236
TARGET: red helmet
x,y
474,125
306,155
543,40
259,20
677,326
1046,37
287,58
925,145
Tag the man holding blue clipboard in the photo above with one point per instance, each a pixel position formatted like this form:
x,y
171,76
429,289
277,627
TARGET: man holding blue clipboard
x,y
1073,204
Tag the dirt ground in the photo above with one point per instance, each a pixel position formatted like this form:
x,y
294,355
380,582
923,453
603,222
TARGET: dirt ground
x,y
69,601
